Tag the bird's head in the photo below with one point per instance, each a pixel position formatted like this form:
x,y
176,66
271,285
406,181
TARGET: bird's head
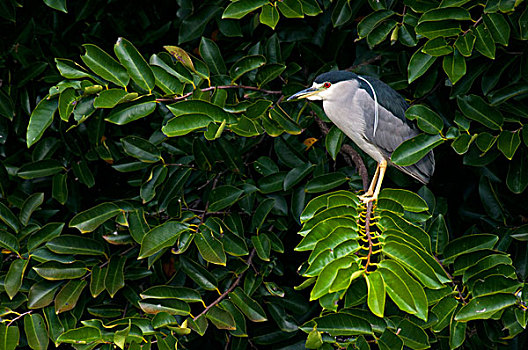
x,y
325,86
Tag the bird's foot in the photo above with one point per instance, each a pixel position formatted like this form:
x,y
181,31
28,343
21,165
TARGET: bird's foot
x,y
367,198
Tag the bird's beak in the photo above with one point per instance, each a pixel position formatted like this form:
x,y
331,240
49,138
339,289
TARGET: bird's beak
x,y
304,93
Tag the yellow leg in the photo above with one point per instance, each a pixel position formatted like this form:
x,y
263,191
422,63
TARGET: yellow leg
x,y
372,186
378,179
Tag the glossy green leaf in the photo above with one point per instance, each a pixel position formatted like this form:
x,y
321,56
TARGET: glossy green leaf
x,y
223,197
291,8
269,16
115,279
414,149
130,112
111,98
368,23
54,271
14,277
89,220
210,248
9,336
71,70
247,305
221,318
517,178
162,236
44,234
68,296
168,292
9,241
482,308
465,43
104,65
40,168
454,66
156,178
418,65
437,47
199,274
484,42
135,65
498,27
435,29
239,9
141,149
376,293
343,324
170,306
246,64
36,332
212,56
59,189
40,120
427,120
67,100
475,108
440,14
262,245
81,335
508,142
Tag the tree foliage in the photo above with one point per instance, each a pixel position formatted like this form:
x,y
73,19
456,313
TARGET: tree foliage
x,y
153,178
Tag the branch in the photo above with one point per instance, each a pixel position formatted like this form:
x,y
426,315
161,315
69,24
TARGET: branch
x,y
230,289
222,87
19,316
367,232
365,63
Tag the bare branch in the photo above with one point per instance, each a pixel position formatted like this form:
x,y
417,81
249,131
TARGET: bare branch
x,y
221,87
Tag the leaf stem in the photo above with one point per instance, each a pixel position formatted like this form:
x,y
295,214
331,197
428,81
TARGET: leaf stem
x,y
221,87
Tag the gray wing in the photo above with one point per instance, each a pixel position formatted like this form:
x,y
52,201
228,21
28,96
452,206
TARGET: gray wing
x,y
391,131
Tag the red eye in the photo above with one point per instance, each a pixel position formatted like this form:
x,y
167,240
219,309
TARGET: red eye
x,y
327,85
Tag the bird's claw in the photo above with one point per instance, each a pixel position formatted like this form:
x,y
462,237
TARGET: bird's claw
x,y
367,198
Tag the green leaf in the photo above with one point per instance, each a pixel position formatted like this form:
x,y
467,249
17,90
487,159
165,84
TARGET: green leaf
x,y
40,120
156,178
115,278
6,106
54,271
246,64
329,273
40,168
199,274
89,220
454,66
185,124
433,30
221,318
141,149
376,293
44,234
59,189
68,296
262,245
517,178
483,308
81,335
508,142
169,292
104,65
465,43
36,332
59,5
111,98
523,25
296,175
29,206
269,16
475,108
193,107
437,47
326,182
413,335
71,70
97,281
371,21
223,197
239,9
261,213
66,105
380,33
42,293
410,201
162,236
14,277
484,43
170,306
427,120
467,244
212,56
9,336
291,8
333,141
8,240
247,305
210,248
451,13
343,324
498,27
132,111
136,66
418,65
414,149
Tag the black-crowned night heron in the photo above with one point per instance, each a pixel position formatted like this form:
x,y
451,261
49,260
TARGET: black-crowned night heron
x,y
372,114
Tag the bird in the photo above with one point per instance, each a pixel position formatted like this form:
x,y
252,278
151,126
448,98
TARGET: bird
x,y
372,115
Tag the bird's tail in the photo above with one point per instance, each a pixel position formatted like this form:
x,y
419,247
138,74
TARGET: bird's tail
x,y
422,170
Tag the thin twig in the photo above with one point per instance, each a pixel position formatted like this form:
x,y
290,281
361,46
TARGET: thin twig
x,y
365,63
19,317
211,88
230,289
